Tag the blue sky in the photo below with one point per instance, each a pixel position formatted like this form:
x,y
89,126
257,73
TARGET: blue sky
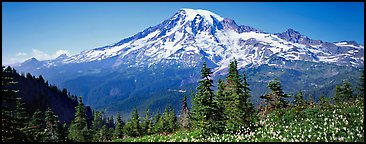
x,y
46,30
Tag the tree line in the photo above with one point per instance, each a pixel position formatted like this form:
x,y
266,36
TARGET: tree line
x,y
228,110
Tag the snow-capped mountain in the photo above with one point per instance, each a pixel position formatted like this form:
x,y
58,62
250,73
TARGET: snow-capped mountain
x,y
191,35
158,65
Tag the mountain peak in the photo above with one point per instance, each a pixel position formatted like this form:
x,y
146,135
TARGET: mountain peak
x,y
30,61
292,31
33,59
192,13
62,56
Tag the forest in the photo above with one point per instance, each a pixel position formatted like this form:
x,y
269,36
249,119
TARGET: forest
x,y
226,114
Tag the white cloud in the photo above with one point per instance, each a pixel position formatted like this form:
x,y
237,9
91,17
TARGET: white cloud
x,y
40,55
21,54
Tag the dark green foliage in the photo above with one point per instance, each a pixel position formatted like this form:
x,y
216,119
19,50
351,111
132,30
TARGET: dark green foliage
x,y
362,85
172,120
22,120
276,98
103,134
118,131
36,127
158,123
238,107
52,127
8,121
63,132
78,128
184,119
146,124
343,92
220,108
248,108
14,118
133,127
203,106
96,127
324,103
299,99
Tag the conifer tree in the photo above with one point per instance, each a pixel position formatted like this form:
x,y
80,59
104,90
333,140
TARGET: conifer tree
x,y
52,126
133,127
203,106
103,133
172,121
147,123
248,108
22,119
97,124
9,128
299,99
63,130
78,128
362,85
238,108
343,92
36,127
276,98
220,107
184,114
118,132
157,123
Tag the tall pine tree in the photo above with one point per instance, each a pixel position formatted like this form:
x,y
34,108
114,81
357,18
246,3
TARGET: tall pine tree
x,y
36,127
343,92
52,126
220,108
238,107
184,119
9,127
203,106
118,131
147,123
275,100
78,128
133,127
172,121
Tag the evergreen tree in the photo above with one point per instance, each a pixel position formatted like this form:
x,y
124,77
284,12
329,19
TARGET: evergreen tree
x,y
9,129
343,92
78,128
299,99
172,121
248,108
220,107
311,101
22,119
52,127
147,123
323,102
184,114
36,127
203,106
133,127
63,130
157,123
103,133
238,108
165,120
275,99
362,85
97,124
118,132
